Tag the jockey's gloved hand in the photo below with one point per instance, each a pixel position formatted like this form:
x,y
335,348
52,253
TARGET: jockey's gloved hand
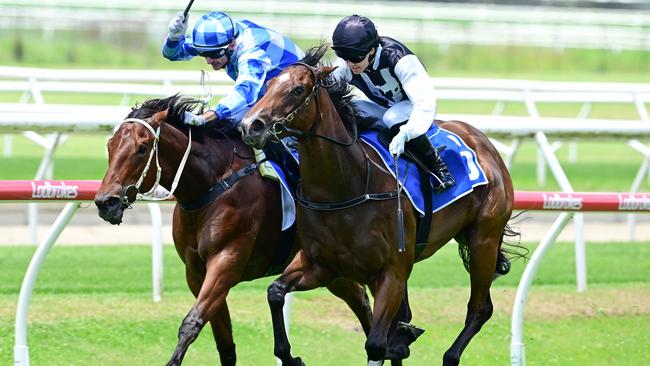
x,y
193,119
396,146
177,27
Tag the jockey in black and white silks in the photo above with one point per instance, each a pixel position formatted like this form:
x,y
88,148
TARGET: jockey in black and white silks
x,y
399,91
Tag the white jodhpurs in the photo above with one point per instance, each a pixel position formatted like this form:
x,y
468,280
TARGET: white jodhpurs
x,y
387,117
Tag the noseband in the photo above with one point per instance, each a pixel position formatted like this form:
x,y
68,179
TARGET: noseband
x,y
280,126
132,192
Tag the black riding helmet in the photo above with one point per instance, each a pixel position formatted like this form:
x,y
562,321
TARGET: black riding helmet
x,y
354,37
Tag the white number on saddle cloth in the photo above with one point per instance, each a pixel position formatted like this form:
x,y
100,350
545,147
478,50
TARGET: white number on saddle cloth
x,y
473,169
474,172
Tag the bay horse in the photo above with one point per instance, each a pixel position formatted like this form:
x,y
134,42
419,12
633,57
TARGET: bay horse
x,y
359,240
222,239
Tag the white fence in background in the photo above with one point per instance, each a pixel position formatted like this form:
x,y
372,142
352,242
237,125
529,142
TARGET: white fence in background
x,y
37,84
440,23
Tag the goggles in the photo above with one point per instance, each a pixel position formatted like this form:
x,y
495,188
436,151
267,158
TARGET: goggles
x,y
353,56
216,53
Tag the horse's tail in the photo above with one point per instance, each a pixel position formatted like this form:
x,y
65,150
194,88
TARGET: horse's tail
x,y
510,249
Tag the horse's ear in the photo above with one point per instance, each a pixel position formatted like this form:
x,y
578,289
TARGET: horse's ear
x,y
324,71
158,117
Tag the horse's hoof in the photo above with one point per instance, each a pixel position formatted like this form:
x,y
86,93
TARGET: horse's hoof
x,y
298,362
410,330
398,347
376,363
503,265
397,352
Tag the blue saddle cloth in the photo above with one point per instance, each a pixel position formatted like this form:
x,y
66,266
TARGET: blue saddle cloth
x,y
460,159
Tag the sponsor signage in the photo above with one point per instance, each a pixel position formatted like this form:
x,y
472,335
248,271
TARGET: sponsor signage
x,y
556,201
58,190
633,202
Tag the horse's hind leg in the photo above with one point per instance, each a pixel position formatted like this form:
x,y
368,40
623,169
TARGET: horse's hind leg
x,y
301,275
483,253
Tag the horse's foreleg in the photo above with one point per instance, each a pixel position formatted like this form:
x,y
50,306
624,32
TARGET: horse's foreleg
x,y
483,254
388,293
221,274
300,275
222,332
356,298
401,333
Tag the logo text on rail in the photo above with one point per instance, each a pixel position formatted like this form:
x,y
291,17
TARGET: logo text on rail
x,y
634,203
60,191
557,202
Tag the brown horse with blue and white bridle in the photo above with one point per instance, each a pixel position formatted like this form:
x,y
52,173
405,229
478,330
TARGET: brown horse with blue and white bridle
x,y
347,220
227,220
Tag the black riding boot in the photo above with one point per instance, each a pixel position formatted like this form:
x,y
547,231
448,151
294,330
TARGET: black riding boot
x,y
429,158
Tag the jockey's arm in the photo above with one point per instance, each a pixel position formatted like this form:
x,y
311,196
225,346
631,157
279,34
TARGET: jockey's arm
x,y
180,50
418,87
253,68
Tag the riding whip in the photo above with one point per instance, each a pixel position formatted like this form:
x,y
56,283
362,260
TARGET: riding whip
x,y
400,214
187,9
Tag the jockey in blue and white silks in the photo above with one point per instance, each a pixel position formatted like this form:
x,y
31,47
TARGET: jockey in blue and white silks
x,y
251,55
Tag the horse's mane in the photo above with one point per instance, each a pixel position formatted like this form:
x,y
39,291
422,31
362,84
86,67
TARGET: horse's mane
x,y
177,105
340,92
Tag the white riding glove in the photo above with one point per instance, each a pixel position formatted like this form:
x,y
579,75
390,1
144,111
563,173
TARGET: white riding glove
x,y
177,27
396,146
193,119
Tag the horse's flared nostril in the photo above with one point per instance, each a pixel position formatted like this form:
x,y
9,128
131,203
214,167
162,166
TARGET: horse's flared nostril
x,y
256,127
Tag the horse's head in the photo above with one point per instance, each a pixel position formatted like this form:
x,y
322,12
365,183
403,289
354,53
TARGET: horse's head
x,y
290,105
132,157
128,155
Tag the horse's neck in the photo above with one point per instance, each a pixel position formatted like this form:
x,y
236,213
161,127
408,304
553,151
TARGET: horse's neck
x,y
205,165
330,171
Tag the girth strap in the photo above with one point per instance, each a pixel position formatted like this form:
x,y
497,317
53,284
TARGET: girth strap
x,y
221,187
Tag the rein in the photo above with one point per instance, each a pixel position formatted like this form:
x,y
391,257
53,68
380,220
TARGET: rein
x,y
280,126
132,192
221,187
350,203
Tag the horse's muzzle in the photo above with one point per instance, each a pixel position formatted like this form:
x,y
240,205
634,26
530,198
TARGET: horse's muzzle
x,y
110,208
256,134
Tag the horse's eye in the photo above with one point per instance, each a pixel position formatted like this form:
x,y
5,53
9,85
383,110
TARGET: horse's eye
x,y
297,91
142,149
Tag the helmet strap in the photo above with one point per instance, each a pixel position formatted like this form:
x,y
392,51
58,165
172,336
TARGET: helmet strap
x,y
371,58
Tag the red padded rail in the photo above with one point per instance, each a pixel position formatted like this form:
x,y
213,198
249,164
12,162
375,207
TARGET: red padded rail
x,y
84,190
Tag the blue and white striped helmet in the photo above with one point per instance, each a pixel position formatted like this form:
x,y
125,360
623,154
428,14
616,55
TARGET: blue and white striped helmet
x,y
214,30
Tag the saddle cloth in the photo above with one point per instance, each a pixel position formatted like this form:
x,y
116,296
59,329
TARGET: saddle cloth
x,y
460,159
271,170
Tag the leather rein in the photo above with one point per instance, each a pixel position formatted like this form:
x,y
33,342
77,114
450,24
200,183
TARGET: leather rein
x,y
280,126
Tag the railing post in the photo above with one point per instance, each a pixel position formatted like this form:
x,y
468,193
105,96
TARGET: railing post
x,y
21,351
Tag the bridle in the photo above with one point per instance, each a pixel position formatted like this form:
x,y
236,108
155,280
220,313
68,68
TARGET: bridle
x,y
280,126
132,192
